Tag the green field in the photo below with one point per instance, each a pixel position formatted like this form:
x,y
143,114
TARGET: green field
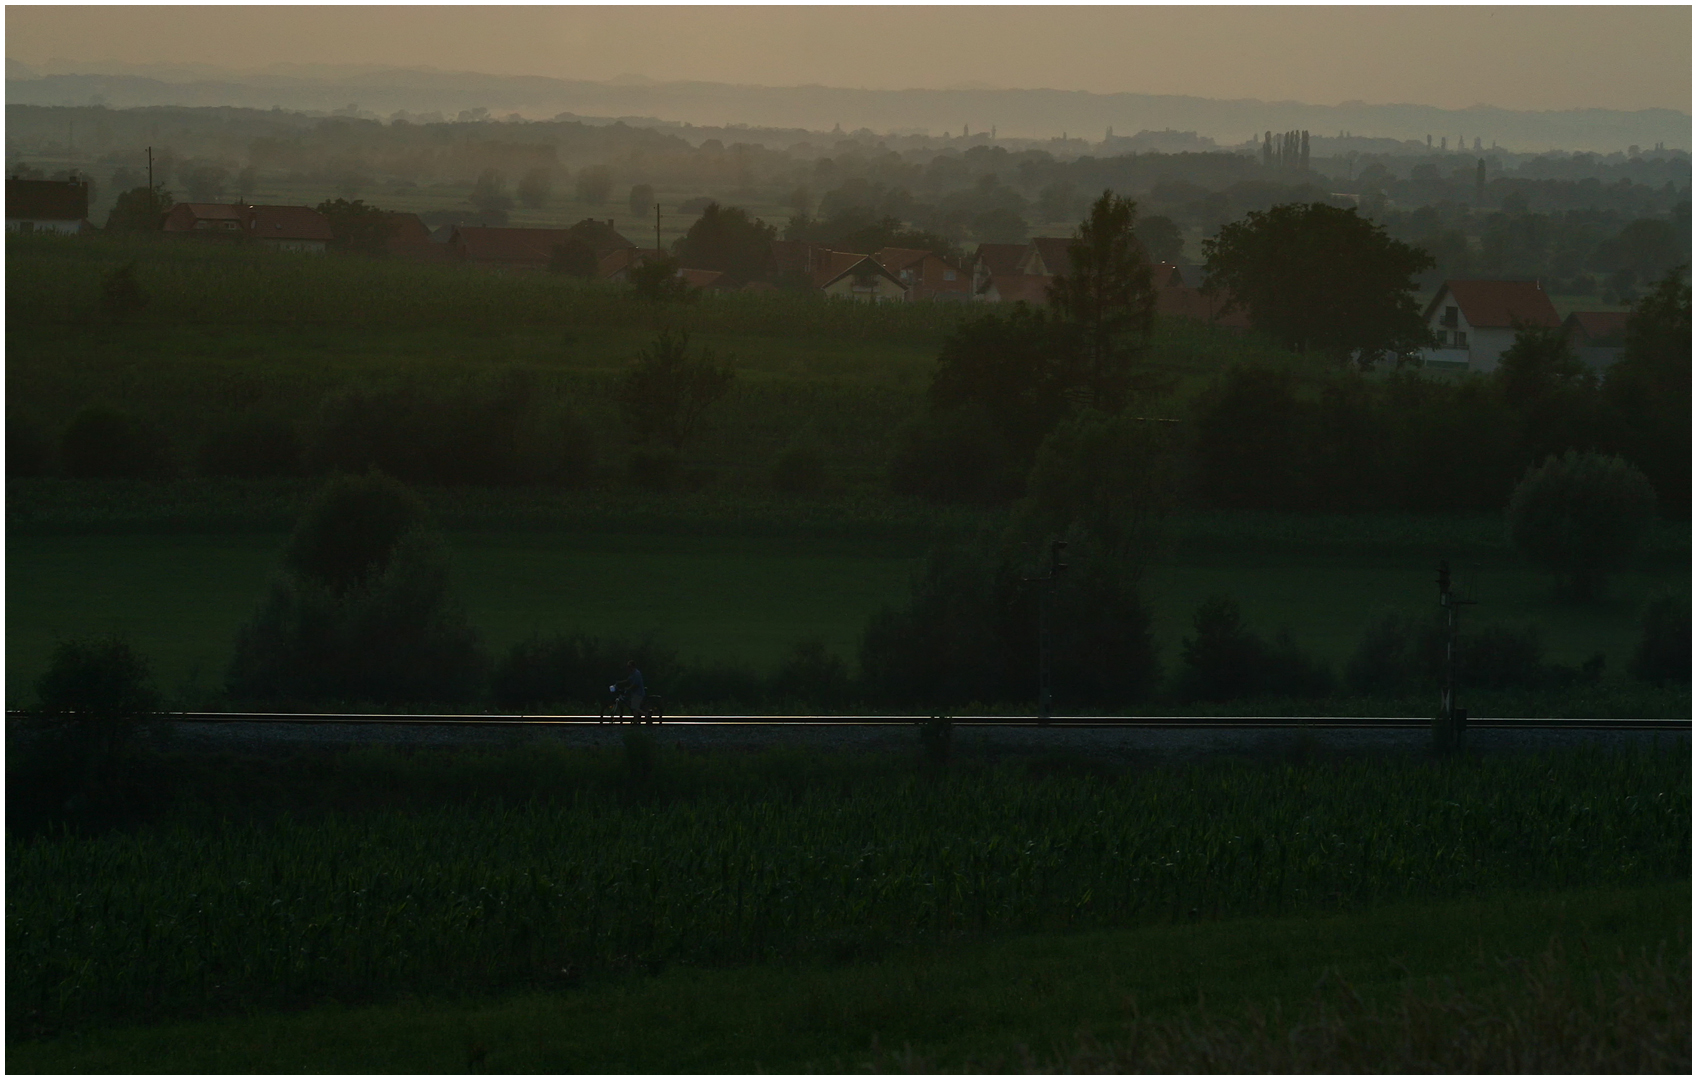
x,y
180,597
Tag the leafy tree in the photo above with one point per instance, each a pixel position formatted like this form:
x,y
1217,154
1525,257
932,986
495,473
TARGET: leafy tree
x,y
727,239
1541,362
1161,238
594,184
363,611
1664,644
140,209
100,686
1110,476
536,187
121,295
357,227
1224,659
664,393
1649,390
1580,516
489,194
1109,295
657,279
1320,278
1017,366
642,199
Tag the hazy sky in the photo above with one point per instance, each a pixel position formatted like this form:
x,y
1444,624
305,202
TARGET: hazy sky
x,y
1514,57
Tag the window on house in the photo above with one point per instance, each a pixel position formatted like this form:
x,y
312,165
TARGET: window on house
x,y
1461,339
1451,316
948,275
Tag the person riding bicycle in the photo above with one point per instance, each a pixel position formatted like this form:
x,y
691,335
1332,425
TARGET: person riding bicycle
x,y
633,689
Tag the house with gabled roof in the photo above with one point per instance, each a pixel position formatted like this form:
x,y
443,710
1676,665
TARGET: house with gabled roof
x,y
207,220
1475,321
1047,255
853,276
56,206
289,228
927,275
991,261
1598,337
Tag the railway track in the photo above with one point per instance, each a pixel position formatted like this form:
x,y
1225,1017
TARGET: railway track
x,y
1191,723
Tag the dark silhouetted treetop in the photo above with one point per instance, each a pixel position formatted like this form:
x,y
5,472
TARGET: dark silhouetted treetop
x,y
140,210
1322,279
664,393
357,227
727,239
352,529
1541,362
1109,294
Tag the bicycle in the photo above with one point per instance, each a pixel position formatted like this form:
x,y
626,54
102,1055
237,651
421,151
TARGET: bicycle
x,y
615,708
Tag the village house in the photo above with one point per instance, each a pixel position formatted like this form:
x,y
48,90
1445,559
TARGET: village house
x,y
991,261
56,206
282,228
925,274
856,277
1475,321
1597,337
409,238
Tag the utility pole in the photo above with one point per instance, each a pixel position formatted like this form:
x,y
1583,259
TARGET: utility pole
x,y
1045,592
657,246
1451,722
150,172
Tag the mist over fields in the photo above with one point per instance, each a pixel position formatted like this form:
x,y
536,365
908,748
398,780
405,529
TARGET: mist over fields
x,y
1015,114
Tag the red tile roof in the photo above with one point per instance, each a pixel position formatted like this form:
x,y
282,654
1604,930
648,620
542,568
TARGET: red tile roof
x,y
895,259
1598,327
182,216
1053,251
621,260
287,223
1498,303
1000,259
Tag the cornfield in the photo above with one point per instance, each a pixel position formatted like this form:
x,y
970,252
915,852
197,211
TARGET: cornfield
x,y
206,914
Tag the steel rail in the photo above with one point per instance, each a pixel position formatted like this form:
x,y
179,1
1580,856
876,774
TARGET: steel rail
x,y
741,720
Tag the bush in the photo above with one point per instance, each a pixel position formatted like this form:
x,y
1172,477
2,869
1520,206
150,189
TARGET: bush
x,y
1398,654
103,443
486,435
665,391
1580,516
363,612
121,295
1664,646
100,687
251,450
968,633
573,669
799,470
1224,660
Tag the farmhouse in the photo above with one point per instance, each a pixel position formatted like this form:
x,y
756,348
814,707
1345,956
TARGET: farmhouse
x,y
206,220
856,277
1475,321
58,206
992,261
289,228
1598,337
926,275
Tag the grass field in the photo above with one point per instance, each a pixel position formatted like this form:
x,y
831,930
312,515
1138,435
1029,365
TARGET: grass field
x,y
180,597
947,1009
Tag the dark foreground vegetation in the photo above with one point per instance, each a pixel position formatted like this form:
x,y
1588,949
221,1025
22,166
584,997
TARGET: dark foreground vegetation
x,y
241,884
386,892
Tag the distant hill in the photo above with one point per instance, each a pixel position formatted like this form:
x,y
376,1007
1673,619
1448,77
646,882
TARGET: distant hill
x,y
1013,113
